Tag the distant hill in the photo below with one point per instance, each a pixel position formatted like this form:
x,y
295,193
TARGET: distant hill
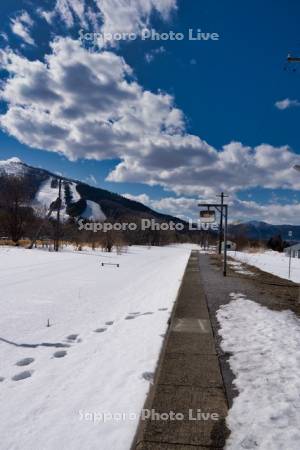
x,y
79,199
263,231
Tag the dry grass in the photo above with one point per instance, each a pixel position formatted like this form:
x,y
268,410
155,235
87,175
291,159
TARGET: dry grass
x,y
119,248
254,250
22,243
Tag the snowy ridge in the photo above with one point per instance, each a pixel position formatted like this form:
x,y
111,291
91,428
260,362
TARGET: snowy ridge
x,y
12,166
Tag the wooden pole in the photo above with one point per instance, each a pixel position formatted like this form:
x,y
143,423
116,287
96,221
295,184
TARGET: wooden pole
x,y
57,234
225,242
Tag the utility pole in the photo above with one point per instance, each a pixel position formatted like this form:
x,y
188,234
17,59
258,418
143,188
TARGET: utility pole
x,y
225,242
41,227
221,222
290,252
222,209
57,234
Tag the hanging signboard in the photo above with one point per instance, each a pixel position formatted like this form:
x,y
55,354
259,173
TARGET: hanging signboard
x,y
207,216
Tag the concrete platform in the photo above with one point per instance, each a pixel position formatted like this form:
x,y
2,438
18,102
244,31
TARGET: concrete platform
x,y
188,378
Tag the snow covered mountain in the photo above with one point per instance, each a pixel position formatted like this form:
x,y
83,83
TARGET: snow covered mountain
x,y
78,199
12,166
46,190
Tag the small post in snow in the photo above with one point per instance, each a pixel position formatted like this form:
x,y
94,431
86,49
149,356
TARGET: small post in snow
x,y
110,264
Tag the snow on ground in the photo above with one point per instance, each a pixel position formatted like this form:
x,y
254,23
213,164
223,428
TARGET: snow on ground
x,y
106,331
239,268
272,262
266,363
93,211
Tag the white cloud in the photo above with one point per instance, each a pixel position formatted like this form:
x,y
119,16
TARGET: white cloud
x,y
109,16
20,25
68,11
239,210
142,198
184,207
127,16
187,165
4,36
88,105
149,57
109,116
279,214
286,103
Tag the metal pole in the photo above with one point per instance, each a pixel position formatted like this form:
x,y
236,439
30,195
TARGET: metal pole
x,y
225,242
56,247
221,224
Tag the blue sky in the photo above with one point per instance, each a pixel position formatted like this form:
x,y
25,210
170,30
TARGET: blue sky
x,y
225,90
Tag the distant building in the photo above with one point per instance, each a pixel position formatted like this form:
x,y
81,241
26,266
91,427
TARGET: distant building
x,y
230,245
293,250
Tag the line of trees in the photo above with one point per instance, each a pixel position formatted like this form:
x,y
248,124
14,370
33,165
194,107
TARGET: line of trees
x,y
16,214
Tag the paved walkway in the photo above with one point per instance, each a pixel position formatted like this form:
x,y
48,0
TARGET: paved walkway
x,y
188,377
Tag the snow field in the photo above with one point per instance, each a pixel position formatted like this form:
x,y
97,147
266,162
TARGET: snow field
x,y
99,352
272,262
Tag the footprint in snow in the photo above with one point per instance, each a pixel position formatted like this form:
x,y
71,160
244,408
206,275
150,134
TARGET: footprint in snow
x,y
110,322
2,379
59,354
162,309
100,330
135,315
72,337
22,375
25,362
249,443
148,376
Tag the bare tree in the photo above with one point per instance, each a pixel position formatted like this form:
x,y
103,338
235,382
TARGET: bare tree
x,y
16,212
